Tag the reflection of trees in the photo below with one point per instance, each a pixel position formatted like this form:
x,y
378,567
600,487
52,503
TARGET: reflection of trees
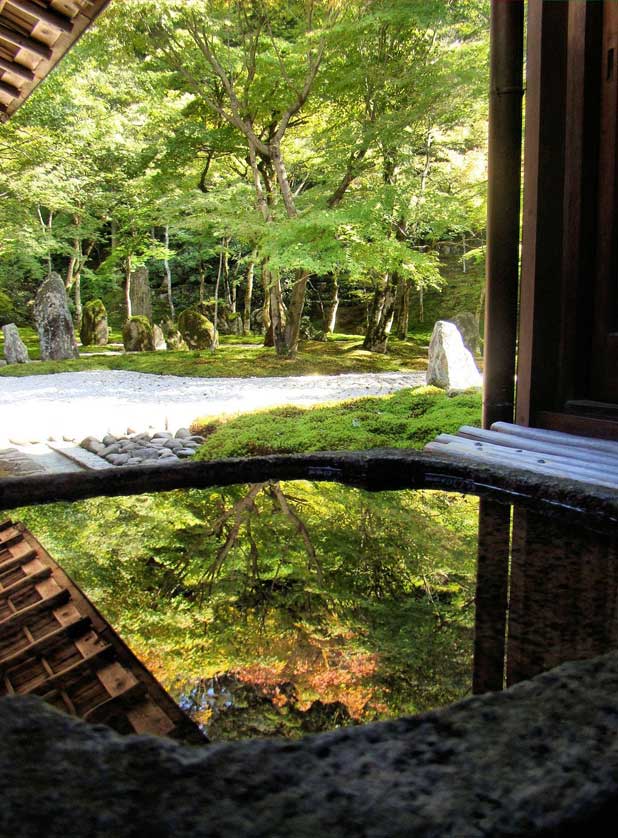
x,y
234,528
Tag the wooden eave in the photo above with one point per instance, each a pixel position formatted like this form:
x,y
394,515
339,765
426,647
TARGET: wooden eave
x,y
34,36
56,645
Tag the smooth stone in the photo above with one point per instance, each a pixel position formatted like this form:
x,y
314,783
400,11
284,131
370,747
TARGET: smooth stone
x,y
109,439
185,452
189,443
133,461
450,365
145,453
165,453
197,438
174,444
162,435
182,433
110,449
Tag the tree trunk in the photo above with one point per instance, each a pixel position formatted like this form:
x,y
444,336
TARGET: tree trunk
x,y
277,315
402,308
78,300
295,312
266,320
202,282
246,319
215,339
127,287
331,307
168,274
381,315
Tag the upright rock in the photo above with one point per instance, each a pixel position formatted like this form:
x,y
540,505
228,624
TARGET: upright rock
x,y
173,338
159,339
15,350
450,366
468,326
197,331
137,335
141,295
94,329
53,321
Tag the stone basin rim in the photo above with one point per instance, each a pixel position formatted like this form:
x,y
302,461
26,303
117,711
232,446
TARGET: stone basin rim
x,y
379,469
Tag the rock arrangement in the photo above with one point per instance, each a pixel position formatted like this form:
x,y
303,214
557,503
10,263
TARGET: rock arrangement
x,y
140,448
138,335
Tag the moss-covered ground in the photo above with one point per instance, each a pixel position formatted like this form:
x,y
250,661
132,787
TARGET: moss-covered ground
x,y
407,419
239,357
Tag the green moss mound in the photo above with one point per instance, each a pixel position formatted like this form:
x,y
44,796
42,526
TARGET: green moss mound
x,y
94,330
138,335
197,330
407,419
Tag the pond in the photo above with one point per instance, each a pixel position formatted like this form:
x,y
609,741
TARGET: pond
x,y
286,608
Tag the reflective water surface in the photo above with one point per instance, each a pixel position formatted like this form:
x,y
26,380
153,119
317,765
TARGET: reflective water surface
x,y
290,608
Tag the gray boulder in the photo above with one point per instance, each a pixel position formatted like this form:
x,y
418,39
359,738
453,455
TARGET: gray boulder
x,y
53,321
450,365
468,326
15,350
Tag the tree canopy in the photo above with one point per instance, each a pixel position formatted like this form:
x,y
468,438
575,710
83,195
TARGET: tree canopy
x,y
311,146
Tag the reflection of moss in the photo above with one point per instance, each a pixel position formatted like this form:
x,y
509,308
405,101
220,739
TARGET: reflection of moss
x,y
407,419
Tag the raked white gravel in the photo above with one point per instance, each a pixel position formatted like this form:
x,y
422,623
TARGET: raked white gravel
x,y
78,404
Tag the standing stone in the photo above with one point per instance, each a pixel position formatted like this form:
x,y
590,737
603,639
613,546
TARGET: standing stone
x,y
173,338
197,331
159,339
137,335
141,295
468,327
450,366
94,329
53,321
15,350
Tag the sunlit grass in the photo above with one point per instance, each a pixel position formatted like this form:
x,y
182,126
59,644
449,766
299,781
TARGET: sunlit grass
x,y
237,357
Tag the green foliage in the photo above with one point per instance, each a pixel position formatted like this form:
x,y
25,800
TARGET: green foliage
x,y
7,312
407,419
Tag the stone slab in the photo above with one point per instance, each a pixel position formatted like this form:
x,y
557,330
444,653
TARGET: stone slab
x,y
540,759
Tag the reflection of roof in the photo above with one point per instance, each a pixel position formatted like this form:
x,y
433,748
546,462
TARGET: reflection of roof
x,y
34,35
55,644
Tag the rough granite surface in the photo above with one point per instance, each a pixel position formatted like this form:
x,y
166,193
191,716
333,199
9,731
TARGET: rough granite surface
x,y
540,759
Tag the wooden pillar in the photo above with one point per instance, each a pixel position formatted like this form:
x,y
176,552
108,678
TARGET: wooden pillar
x,y
503,201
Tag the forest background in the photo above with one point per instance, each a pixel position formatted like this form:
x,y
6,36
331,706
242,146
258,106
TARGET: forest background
x,y
319,158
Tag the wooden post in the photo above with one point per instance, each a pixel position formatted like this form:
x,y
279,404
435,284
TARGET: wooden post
x,y
503,201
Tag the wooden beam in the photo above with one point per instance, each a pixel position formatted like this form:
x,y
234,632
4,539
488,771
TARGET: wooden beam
x,y
24,42
5,87
49,16
17,69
